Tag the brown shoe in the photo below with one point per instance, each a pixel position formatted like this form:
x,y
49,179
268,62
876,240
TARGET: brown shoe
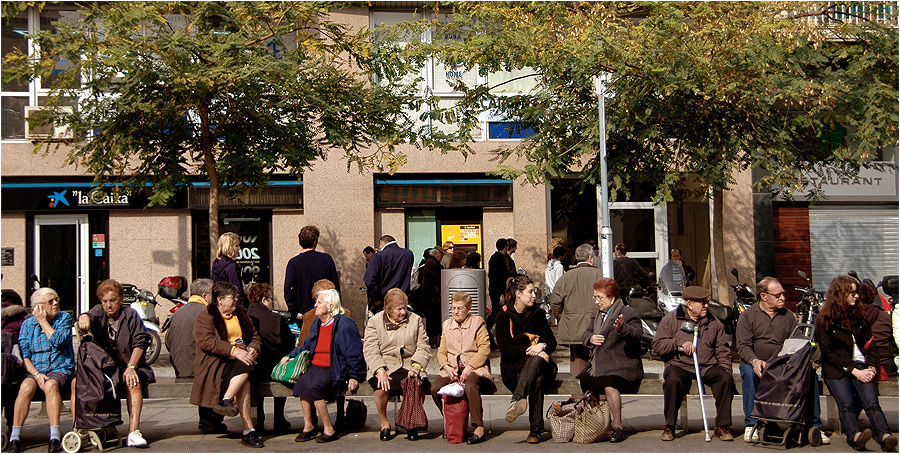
x,y
533,439
722,433
668,434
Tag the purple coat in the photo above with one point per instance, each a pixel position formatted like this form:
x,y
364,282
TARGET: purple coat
x,y
225,269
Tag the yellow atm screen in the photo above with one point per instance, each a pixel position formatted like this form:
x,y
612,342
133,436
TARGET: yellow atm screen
x,y
465,236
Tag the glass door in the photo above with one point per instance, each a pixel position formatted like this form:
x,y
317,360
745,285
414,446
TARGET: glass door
x,y
61,259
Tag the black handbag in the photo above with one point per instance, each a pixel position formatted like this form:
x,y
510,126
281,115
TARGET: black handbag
x,y
356,414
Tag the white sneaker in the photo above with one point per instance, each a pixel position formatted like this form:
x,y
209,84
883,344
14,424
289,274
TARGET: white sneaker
x,y
136,440
825,439
747,434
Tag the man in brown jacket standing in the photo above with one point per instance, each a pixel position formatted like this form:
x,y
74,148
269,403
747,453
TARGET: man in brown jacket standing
x,y
572,302
674,343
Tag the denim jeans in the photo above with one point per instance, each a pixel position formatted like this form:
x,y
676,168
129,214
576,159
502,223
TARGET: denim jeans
x,y
850,394
750,383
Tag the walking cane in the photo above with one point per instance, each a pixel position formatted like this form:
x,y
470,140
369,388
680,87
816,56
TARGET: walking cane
x,y
700,384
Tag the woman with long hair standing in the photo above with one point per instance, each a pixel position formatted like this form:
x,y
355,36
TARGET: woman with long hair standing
x,y
225,269
847,368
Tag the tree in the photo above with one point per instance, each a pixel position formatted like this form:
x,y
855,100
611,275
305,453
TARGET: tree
x,y
169,92
694,87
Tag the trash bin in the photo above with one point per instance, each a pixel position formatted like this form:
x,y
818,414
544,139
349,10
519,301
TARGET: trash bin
x,y
471,281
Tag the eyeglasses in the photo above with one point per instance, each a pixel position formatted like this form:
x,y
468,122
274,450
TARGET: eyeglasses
x,y
702,303
457,308
450,248
52,301
776,295
601,298
854,292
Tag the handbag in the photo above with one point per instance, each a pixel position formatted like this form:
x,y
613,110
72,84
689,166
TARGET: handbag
x,y
592,420
456,418
290,371
562,420
356,414
411,415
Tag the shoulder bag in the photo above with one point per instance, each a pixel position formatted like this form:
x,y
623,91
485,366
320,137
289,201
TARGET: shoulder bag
x,y
290,371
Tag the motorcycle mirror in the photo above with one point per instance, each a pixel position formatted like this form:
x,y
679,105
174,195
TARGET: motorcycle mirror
x,y
852,273
652,275
801,274
734,272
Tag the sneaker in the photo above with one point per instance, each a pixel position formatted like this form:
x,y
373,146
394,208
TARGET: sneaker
x,y
825,439
516,408
668,434
136,440
723,434
226,408
251,440
753,436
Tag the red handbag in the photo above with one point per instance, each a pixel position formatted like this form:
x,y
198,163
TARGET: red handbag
x,y
456,418
411,415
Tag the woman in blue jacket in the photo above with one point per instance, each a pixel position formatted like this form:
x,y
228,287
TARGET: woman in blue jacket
x,y
224,268
336,358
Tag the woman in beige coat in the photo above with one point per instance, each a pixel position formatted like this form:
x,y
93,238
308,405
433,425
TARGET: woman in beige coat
x,y
464,355
395,346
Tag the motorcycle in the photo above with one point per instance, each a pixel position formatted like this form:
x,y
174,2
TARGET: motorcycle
x,y
889,284
744,296
811,301
650,311
172,288
144,303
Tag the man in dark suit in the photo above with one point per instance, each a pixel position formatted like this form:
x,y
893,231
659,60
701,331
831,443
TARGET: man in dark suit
x,y
498,273
389,268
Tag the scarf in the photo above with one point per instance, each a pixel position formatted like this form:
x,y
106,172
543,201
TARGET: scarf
x,y
391,325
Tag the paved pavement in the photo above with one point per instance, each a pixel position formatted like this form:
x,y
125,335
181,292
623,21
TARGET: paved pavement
x,y
170,425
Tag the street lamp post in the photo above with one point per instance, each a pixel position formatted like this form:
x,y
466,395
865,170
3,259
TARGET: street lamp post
x,y
604,231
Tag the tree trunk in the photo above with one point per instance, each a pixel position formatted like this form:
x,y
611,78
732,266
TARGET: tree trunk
x,y
210,163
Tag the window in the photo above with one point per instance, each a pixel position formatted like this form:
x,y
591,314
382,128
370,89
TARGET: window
x,y
16,96
438,79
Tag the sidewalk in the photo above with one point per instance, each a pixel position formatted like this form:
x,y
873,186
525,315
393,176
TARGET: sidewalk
x,y
170,425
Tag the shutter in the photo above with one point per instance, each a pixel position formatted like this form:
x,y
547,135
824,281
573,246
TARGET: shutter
x,y
863,239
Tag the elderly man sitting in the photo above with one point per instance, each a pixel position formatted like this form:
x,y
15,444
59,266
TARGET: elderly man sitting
x,y
45,341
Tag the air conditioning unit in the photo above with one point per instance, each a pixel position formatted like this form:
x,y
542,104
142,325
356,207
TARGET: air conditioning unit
x,y
46,131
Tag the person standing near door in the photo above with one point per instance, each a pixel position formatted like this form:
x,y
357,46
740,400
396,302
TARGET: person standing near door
x,y
389,268
304,270
511,246
224,268
498,273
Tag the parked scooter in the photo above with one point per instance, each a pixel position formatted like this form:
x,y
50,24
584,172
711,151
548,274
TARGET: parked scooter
x,y
172,288
744,294
640,299
811,301
144,303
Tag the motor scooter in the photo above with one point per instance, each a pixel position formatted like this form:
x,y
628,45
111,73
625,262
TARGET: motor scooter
x,y
172,288
144,303
640,299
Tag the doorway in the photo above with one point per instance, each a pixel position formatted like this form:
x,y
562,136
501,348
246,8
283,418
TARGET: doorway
x,y
60,259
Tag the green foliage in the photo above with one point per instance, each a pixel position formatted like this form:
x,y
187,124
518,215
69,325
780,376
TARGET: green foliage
x,y
171,91
707,88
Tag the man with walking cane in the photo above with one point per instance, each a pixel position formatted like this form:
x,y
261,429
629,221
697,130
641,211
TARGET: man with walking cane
x,y
675,343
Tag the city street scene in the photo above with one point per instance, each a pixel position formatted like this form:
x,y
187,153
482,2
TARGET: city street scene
x,y
400,225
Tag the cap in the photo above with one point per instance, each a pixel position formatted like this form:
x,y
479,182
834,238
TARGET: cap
x,y
696,293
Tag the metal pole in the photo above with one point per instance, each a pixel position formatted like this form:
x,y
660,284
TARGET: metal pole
x,y
605,232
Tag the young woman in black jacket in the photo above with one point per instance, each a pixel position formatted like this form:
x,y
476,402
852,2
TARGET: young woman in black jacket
x,y
526,343
847,368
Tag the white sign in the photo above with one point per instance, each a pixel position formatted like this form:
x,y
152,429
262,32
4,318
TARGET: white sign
x,y
869,184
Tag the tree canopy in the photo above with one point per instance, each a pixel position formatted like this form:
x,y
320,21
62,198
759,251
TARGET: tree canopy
x,y
706,88
170,92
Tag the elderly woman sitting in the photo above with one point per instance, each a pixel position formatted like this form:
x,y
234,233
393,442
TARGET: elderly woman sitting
x,y
336,350
395,347
464,355
614,333
227,348
45,341
117,328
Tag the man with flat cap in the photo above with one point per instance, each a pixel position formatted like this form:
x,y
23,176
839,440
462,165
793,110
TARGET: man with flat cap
x,y
674,343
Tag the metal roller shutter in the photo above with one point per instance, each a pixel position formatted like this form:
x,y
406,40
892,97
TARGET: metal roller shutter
x,y
864,239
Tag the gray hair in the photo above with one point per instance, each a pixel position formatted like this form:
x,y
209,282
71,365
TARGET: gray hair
x,y
201,286
763,286
584,252
38,295
334,298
